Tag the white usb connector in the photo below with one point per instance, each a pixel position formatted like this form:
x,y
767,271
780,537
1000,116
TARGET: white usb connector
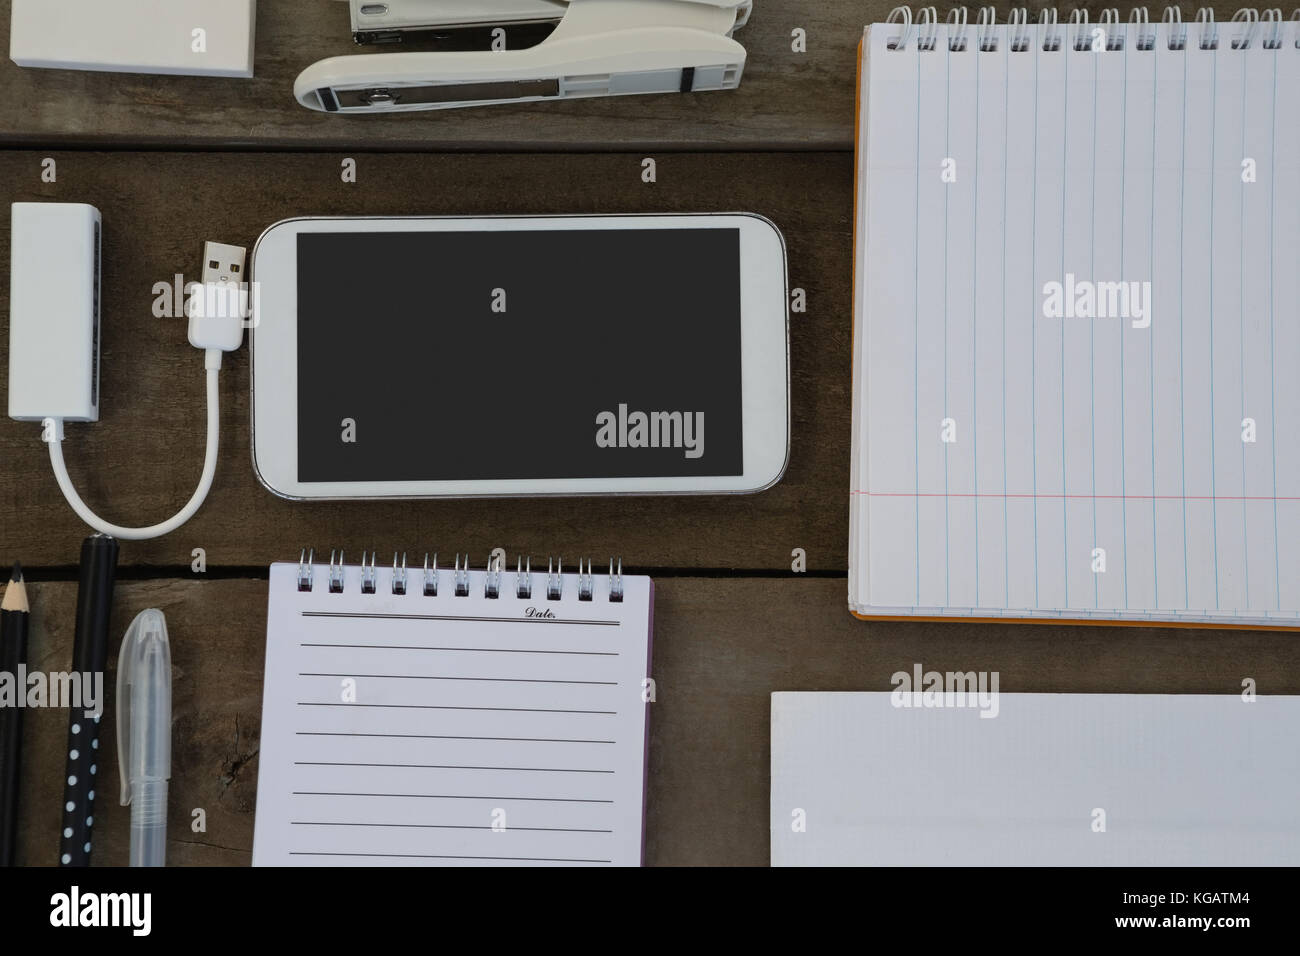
x,y
217,309
49,346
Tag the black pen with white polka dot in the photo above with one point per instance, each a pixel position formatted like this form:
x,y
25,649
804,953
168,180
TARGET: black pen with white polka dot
x,y
89,657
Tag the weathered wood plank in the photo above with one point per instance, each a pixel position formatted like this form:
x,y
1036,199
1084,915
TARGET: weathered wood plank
x,y
721,647
217,631
786,100
141,461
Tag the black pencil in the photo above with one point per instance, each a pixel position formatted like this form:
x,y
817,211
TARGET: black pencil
x,y
89,657
13,657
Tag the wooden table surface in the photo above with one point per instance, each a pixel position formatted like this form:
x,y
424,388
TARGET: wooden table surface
x,y
173,161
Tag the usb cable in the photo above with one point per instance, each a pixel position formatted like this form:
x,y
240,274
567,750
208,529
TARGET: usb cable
x,y
216,325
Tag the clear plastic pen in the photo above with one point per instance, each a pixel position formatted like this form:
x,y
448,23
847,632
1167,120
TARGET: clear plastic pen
x,y
144,733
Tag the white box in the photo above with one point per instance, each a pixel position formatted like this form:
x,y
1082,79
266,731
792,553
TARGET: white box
x,y
54,312
135,36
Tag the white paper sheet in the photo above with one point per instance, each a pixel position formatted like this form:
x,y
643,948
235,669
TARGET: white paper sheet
x,y
1053,779
418,730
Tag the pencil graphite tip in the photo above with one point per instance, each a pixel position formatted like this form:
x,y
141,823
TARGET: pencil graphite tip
x,y
18,572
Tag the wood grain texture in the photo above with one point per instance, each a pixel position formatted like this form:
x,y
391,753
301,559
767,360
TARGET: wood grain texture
x,y
786,100
721,647
140,463
723,643
217,632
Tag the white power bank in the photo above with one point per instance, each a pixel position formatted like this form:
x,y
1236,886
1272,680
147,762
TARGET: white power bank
x,y
182,37
54,312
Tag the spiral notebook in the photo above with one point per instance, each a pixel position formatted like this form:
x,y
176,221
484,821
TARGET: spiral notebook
x,y
453,716
1076,321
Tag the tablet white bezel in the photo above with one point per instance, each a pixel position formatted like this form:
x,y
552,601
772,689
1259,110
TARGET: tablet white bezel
x,y
765,375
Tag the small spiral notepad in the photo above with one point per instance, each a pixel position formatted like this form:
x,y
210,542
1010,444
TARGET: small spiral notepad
x,y
1078,319
453,716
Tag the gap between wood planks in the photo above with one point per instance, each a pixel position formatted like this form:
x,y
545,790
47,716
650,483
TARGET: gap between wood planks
x,y
69,572
24,143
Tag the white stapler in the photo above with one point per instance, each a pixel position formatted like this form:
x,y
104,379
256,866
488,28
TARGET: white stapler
x,y
598,48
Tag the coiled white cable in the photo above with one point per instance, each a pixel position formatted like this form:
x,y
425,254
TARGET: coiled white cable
x,y
53,435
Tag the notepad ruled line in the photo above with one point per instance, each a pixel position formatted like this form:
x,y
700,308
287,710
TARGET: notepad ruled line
x,y
470,650
502,680
449,796
519,710
441,856
454,617
442,766
525,740
439,826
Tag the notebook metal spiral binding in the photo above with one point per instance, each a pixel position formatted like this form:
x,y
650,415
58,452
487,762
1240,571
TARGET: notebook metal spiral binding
x,y
524,580
305,567
431,577
554,582
336,574
399,575
1250,28
461,576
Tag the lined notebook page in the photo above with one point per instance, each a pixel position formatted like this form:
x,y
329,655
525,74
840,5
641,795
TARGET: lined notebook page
x,y
1017,455
415,730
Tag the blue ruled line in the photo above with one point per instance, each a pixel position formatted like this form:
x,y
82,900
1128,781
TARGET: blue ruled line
x,y
1182,330
1006,525
1065,171
974,330
1272,354
947,145
1214,500
1123,211
1092,326
916,334
1151,341
1033,317
1241,330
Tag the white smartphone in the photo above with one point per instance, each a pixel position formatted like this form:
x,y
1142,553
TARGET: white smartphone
x,y
571,355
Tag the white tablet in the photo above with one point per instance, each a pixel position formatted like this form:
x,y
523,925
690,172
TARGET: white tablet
x,y
575,355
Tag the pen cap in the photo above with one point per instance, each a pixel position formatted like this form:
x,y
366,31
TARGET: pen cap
x,y
144,702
